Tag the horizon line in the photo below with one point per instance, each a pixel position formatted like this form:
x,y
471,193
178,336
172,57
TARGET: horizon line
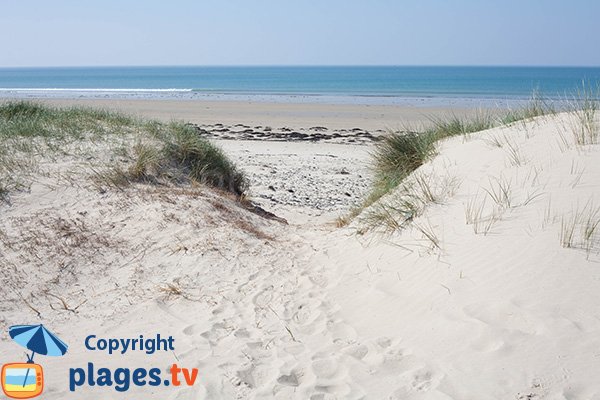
x,y
303,66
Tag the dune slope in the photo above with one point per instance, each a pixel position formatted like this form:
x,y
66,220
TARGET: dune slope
x,y
488,289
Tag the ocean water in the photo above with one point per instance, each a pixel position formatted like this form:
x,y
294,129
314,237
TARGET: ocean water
x,y
379,85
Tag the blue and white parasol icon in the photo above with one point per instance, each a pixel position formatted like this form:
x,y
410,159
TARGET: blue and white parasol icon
x,y
39,340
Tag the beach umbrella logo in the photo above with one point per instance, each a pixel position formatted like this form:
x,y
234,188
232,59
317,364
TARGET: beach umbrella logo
x,y
26,380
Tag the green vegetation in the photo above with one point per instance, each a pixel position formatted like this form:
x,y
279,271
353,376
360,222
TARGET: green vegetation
x,y
183,154
29,119
536,107
399,154
585,105
139,150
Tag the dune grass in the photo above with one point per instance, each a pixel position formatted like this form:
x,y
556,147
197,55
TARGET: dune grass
x,y
30,119
154,152
535,107
584,107
182,154
579,228
399,154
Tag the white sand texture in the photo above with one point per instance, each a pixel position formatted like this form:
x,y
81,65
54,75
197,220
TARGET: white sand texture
x,y
488,289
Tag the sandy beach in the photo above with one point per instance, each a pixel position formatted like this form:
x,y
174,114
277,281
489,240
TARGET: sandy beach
x,y
276,115
300,200
479,297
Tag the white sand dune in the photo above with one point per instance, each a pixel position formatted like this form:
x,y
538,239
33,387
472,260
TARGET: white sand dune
x,y
475,299
510,313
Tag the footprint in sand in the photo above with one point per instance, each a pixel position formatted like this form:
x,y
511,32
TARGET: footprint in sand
x,y
242,333
319,280
420,381
358,351
384,342
190,330
293,379
331,377
374,355
307,312
257,375
295,348
219,310
325,368
258,351
263,299
219,331
342,332
423,381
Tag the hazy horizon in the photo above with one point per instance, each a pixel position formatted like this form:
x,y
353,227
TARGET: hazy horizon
x,y
300,66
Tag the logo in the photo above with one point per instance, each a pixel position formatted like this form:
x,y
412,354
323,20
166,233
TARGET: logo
x,y
26,380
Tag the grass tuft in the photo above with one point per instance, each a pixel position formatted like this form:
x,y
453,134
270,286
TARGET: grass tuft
x,y
200,160
399,154
31,119
584,107
22,110
579,229
537,106
172,152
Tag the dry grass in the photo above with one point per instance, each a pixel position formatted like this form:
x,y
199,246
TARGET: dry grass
x,y
429,234
409,201
500,191
584,108
511,147
176,289
238,220
514,153
579,228
578,172
476,215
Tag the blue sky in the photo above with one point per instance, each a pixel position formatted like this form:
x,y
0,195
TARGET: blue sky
x,y
301,32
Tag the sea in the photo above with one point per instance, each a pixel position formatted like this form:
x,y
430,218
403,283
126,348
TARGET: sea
x,y
409,85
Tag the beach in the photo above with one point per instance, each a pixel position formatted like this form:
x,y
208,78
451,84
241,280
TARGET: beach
x,y
307,158
480,294
278,200
276,114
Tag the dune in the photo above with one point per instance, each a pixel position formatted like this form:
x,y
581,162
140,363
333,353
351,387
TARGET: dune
x,y
490,292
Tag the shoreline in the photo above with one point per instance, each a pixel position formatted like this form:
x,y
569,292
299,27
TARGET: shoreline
x,y
373,99
277,115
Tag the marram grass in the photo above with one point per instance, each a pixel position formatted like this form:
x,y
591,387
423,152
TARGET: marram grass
x,y
173,152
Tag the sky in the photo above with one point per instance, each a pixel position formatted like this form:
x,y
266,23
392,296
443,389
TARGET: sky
x,y
37,33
